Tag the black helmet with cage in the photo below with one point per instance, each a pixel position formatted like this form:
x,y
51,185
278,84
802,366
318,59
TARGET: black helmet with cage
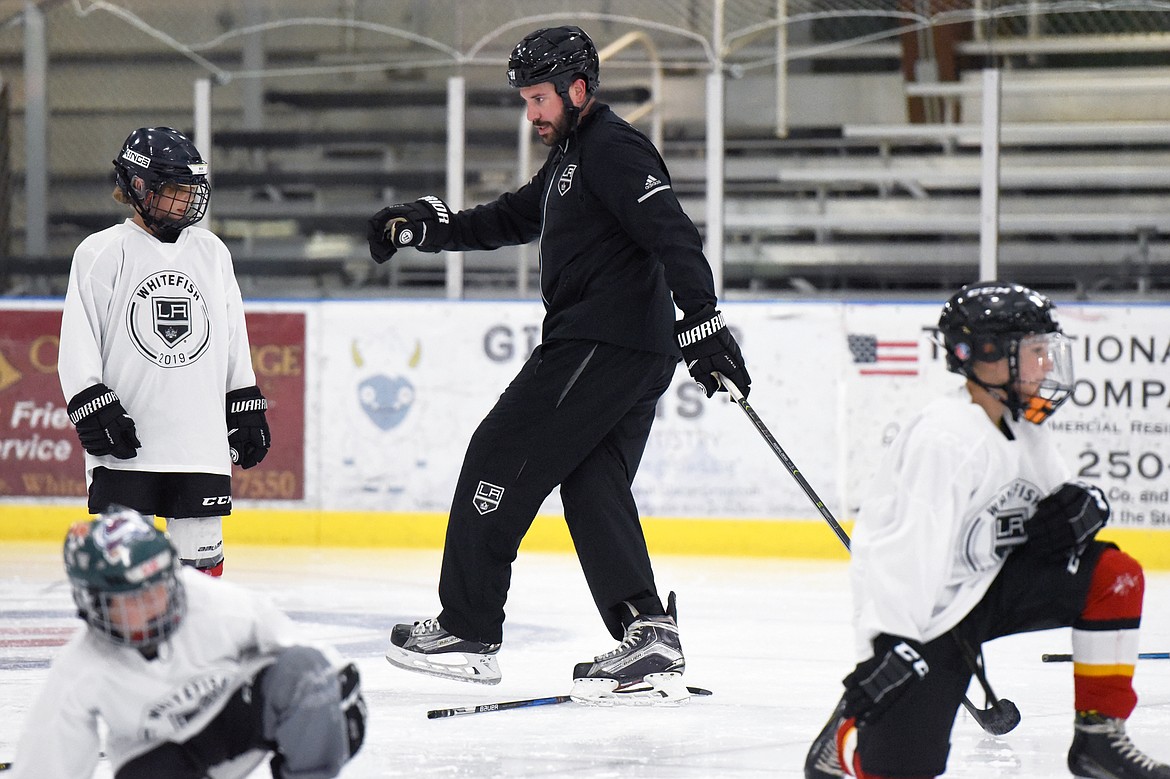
x,y
558,56
120,563
154,164
990,321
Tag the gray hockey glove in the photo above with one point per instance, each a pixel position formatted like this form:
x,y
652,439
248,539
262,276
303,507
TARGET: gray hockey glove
x,y
1067,518
102,424
248,434
875,684
708,347
424,224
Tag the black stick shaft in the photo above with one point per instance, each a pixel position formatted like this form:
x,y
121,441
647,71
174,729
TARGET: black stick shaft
x,y
551,700
1059,658
738,397
488,707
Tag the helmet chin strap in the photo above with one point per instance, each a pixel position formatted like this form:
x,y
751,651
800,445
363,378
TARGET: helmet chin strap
x,y
1004,393
573,112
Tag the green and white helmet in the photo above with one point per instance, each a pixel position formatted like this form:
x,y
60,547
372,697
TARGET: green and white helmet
x,y
121,558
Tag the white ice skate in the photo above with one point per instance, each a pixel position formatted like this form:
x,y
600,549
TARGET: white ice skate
x,y
645,669
427,648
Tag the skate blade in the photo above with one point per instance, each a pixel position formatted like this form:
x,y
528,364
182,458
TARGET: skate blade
x,y
662,689
478,669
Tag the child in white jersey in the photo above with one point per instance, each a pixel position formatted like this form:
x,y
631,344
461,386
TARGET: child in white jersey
x,y
973,532
154,357
191,676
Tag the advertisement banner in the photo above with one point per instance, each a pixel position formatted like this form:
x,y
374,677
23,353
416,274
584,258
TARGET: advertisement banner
x,y
277,341
39,450
1114,431
405,384
395,390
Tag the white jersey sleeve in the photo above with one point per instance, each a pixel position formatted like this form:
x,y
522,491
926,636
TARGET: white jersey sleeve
x,y
929,539
227,636
240,371
162,325
60,737
83,323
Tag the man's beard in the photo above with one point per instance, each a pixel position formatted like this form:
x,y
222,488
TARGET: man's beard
x,y
560,130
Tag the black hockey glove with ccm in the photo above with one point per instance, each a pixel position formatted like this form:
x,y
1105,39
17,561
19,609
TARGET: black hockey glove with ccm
x,y
708,347
102,423
424,224
875,684
1066,519
247,425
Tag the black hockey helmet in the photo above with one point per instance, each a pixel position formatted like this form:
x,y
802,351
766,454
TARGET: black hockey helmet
x,y
558,55
990,321
153,159
120,564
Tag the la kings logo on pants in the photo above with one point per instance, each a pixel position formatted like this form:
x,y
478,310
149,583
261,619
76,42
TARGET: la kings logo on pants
x,y
487,497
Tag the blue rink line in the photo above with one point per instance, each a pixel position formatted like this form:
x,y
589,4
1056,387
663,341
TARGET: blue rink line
x,y
24,663
37,614
23,617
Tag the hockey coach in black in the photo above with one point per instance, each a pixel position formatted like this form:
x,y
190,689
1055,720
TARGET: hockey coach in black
x,y
615,248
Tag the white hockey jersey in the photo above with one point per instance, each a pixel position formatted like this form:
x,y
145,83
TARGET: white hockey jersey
x,y
162,325
934,531
228,634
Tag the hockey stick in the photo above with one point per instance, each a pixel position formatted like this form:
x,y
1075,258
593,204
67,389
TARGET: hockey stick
x,y
524,704
1141,656
738,398
487,707
1001,715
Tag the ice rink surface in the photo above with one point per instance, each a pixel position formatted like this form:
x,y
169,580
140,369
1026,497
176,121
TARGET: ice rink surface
x,y
770,638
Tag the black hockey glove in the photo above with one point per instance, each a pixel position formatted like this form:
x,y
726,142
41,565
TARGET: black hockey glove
x,y
708,347
424,224
247,424
896,665
1067,518
102,424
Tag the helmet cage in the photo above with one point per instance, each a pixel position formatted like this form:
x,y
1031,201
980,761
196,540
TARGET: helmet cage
x,y
102,611
1048,356
158,169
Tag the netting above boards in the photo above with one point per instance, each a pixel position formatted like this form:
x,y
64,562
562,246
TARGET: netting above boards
x,y
370,34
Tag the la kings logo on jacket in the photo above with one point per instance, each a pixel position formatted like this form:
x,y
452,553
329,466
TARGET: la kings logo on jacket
x,y
566,179
167,317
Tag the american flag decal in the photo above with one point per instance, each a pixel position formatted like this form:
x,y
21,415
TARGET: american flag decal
x,y
883,358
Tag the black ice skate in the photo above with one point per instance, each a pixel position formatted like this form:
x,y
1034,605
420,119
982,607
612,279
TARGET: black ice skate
x,y
428,648
823,761
1102,750
646,668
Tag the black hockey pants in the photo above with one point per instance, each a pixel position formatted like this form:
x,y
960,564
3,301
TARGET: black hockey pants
x,y
578,414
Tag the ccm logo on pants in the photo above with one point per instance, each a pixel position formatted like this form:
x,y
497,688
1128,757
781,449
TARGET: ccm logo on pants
x,y
222,500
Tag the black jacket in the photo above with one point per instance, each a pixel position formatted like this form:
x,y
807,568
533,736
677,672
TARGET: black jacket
x,y
614,242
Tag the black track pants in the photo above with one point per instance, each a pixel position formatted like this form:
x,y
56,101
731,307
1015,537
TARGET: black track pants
x,y
577,415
